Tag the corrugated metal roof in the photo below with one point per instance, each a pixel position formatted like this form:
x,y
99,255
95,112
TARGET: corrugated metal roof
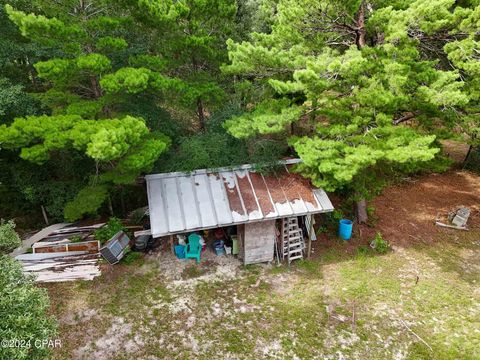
x,y
182,202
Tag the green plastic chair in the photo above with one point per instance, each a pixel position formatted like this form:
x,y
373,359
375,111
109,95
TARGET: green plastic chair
x,y
193,247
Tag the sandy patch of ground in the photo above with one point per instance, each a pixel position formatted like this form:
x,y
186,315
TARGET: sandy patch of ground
x,y
342,305
116,337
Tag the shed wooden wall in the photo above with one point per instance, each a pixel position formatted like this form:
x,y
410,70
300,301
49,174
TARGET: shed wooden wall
x,y
258,242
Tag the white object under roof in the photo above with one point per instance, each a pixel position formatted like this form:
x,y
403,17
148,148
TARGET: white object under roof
x,y
183,202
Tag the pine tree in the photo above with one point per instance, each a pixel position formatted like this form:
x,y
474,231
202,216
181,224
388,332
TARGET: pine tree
x,y
190,36
341,78
88,82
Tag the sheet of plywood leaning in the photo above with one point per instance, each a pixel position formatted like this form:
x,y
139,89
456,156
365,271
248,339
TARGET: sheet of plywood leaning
x,y
258,242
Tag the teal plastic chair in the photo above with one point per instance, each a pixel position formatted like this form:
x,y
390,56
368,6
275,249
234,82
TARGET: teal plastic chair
x,y
193,248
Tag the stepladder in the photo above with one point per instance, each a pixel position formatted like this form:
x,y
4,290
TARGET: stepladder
x,y
292,241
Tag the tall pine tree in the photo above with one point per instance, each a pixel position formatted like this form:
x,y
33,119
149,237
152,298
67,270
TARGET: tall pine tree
x,y
340,79
88,84
189,36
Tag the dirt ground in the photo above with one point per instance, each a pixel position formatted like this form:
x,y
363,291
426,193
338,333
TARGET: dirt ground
x,y
405,214
419,301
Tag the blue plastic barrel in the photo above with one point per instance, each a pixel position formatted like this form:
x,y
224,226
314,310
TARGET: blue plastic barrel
x,y
345,229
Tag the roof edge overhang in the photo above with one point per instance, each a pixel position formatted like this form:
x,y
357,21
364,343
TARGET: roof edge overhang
x,y
323,211
216,170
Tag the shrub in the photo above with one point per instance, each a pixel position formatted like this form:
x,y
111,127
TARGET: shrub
x,y
380,245
86,202
24,312
9,239
362,250
105,233
130,257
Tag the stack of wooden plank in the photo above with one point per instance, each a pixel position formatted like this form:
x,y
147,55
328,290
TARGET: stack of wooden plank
x,y
91,247
62,254
61,266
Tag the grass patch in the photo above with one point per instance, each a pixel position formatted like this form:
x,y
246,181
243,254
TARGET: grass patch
x,y
133,290
131,257
193,271
308,266
337,306
236,342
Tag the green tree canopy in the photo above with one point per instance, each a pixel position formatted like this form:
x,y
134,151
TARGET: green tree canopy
x,y
189,37
88,84
349,74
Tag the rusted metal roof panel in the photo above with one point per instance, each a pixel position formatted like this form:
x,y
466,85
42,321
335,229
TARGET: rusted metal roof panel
x,y
183,202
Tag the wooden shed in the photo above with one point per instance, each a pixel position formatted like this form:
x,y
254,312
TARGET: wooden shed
x,y
264,208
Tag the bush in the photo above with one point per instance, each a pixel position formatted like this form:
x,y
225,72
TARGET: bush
x,y
130,257
9,239
87,202
380,245
362,250
204,150
105,233
24,312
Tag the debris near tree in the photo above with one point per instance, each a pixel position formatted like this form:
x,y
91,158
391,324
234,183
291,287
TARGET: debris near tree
x,y
457,219
116,248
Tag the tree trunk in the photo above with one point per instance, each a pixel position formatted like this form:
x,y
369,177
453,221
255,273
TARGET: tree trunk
x,y
97,91
122,202
361,210
468,155
361,32
44,213
94,83
200,114
110,206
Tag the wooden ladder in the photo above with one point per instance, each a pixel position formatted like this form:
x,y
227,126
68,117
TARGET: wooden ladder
x,y
292,239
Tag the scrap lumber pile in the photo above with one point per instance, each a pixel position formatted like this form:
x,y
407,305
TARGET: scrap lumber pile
x,y
63,266
64,254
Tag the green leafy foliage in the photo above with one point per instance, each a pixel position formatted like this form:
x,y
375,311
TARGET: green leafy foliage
x,y
192,45
86,45
14,101
380,245
75,239
349,89
205,150
24,309
268,117
130,257
52,184
9,239
105,233
451,31
135,80
87,202
102,140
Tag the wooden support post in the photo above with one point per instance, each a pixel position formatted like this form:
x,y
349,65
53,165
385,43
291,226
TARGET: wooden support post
x,y
282,229
172,244
309,232
309,246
